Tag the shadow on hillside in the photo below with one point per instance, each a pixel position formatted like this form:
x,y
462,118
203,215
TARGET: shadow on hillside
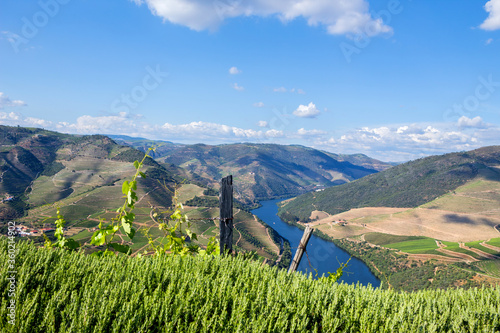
x,y
455,218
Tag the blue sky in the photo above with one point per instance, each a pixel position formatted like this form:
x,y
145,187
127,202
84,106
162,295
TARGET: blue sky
x,y
396,80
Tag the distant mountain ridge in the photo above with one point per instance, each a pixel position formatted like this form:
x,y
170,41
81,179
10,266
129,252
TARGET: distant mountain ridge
x,y
264,171
62,165
407,185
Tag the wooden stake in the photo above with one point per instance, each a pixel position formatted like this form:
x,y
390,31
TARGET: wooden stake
x,y
226,215
300,251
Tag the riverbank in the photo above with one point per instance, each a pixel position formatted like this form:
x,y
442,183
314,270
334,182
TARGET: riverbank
x,y
322,256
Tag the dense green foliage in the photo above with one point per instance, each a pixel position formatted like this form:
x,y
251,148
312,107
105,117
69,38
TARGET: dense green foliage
x,y
60,291
52,169
406,185
211,192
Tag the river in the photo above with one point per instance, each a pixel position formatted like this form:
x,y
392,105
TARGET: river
x,y
323,255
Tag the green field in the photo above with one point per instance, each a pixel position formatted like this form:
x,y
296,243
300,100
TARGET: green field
x,y
494,242
422,245
478,246
455,247
378,238
83,236
189,191
490,267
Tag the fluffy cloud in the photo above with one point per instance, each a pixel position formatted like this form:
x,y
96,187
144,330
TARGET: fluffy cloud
x,y
5,101
306,111
6,118
492,22
203,130
123,123
399,143
234,70
197,131
476,122
338,16
258,105
390,143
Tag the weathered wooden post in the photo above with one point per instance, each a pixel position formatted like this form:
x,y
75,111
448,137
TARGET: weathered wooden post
x,y
300,250
226,215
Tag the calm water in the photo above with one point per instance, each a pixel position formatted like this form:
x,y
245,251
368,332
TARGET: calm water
x,y
323,255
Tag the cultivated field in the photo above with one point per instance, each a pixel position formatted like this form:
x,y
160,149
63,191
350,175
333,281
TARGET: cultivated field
x,y
468,214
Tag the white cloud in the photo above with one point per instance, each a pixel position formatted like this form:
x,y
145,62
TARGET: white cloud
x,y
476,122
237,87
202,130
274,133
391,142
292,90
492,22
7,117
258,105
306,111
314,132
37,122
405,142
280,89
124,123
234,70
488,41
338,16
5,101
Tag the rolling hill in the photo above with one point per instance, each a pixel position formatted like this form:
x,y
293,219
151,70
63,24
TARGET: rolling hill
x,y
265,171
41,167
83,176
407,185
429,223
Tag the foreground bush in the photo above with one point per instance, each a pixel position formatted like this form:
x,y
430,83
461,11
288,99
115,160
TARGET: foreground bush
x,y
61,291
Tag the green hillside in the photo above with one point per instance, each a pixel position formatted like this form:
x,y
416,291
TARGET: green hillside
x,y
41,167
83,176
407,185
264,171
60,291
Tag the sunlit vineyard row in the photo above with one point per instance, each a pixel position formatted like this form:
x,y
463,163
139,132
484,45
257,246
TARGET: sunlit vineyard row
x,y
61,291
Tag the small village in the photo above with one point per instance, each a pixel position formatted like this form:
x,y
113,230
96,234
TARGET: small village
x,y
24,231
